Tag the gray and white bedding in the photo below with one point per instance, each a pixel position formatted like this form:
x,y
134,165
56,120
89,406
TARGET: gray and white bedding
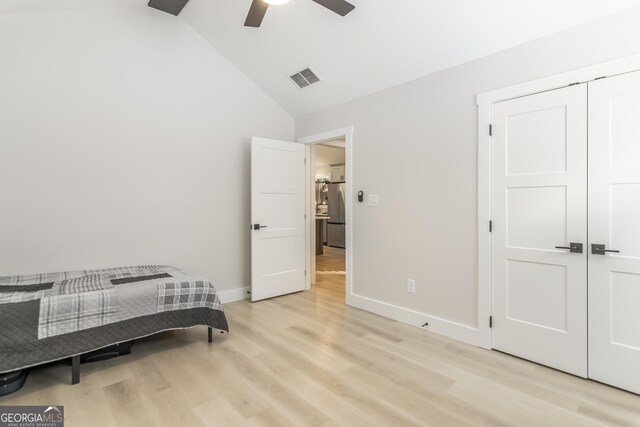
x,y
47,317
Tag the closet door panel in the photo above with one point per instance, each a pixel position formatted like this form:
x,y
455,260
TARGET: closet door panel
x,y
539,205
614,222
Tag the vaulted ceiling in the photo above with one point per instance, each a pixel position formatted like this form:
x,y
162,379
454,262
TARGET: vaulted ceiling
x,y
26,6
382,43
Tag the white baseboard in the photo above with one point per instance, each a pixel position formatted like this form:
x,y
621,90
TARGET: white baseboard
x,y
437,325
456,331
231,295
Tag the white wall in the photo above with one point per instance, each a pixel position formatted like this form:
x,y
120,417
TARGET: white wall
x,y
124,139
423,136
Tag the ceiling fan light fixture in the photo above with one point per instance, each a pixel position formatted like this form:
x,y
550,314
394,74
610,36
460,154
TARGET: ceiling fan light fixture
x,y
259,8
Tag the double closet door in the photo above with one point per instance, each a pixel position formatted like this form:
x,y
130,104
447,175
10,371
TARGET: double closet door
x,y
566,235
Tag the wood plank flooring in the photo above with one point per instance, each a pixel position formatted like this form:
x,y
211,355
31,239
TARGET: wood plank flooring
x,y
332,259
308,360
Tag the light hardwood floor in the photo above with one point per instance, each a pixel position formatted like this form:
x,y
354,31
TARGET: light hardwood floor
x,y
332,259
308,360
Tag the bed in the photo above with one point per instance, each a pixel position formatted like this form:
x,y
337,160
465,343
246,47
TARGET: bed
x,y
49,317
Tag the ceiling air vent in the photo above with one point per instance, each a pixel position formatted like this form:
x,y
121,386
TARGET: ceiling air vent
x,y
305,78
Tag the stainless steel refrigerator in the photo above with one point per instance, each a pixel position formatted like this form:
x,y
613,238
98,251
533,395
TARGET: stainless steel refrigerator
x,y
336,234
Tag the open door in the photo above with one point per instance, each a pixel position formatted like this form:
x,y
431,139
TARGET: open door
x,y
277,218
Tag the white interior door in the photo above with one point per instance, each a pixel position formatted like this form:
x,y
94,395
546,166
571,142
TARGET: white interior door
x,y
277,218
540,203
614,221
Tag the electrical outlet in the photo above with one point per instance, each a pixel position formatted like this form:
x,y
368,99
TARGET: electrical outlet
x,y
374,200
411,286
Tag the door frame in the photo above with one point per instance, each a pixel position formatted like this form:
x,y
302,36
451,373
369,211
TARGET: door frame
x,y
347,134
485,101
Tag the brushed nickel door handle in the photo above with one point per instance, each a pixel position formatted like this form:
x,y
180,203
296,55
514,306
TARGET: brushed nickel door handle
x,y
597,249
576,248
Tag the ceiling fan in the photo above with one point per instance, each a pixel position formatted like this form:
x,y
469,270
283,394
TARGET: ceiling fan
x,y
259,8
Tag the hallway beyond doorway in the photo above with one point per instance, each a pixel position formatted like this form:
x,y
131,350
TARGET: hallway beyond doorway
x,y
332,260
330,270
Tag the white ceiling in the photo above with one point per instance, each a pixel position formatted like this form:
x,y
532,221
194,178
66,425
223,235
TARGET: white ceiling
x,y
325,155
336,143
382,43
26,6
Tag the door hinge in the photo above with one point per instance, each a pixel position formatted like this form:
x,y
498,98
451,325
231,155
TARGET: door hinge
x,y
490,130
491,321
305,272
490,226
305,216
573,84
305,160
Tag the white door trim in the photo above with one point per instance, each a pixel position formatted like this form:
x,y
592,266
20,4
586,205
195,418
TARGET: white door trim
x,y
347,134
484,102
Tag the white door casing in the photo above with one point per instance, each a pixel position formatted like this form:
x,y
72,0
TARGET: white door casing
x,y
540,202
614,221
278,206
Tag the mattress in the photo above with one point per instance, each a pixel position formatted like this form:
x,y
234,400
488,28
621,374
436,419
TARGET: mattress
x,y
48,317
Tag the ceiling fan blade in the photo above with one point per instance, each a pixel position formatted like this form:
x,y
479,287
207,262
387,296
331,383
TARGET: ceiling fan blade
x,y
170,6
256,13
341,7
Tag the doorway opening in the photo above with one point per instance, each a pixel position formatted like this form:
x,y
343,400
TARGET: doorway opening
x,y
329,174
330,204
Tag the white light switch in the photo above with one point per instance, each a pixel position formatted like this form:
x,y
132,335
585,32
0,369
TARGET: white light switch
x,y
374,200
411,286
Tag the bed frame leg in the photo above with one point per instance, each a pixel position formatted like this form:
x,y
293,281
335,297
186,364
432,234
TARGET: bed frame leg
x,y
210,334
75,370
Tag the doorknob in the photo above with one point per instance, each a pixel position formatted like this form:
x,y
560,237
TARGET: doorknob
x,y
600,250
258,226
575,248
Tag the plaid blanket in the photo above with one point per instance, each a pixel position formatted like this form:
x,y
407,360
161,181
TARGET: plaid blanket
x,y
185,295
34,279
66,313
47,317
77,285
76,301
